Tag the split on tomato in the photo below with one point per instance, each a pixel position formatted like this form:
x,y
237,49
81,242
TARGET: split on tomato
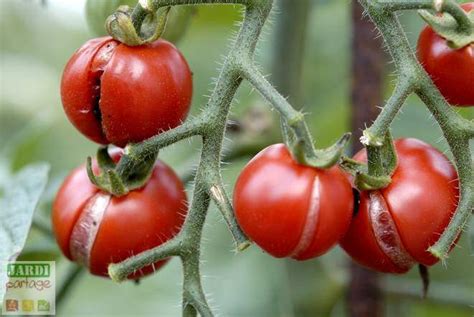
x,y
113,93
95,229
394,227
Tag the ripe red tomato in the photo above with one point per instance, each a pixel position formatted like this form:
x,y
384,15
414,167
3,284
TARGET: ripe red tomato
x,y
114,93
292,210
394,227
96,229
452,70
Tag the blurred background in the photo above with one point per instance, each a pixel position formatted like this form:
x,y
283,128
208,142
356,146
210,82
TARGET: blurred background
x,y
38,37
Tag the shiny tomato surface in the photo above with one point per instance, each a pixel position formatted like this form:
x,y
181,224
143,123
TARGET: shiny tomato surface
x,y
96,229
117,94
291,210
452,70
394,227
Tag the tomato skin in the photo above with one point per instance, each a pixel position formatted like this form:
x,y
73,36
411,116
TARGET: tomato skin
x,y
452,70
291,210
142,219
421,200
117,94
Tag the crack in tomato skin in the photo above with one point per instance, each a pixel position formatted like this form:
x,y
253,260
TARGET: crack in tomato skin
x,y
386,233
311,221
86,228
98,67
67,208
80,92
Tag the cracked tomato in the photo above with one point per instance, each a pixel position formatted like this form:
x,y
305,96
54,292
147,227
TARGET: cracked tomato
x,y
114,93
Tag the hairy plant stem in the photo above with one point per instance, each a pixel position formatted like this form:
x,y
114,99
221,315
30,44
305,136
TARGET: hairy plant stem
x,y
294,118
210,125
449,6
457,130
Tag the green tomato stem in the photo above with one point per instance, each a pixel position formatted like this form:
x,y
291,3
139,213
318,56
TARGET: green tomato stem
x,y
465,25
210,125
221,199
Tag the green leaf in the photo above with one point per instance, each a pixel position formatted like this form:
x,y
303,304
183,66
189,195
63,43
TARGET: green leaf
x,y
19,201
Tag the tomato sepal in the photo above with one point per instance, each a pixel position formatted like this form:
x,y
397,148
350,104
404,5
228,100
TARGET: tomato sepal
x,y
382,160
448,28
113,178
120,26
325,158
107,180
363,181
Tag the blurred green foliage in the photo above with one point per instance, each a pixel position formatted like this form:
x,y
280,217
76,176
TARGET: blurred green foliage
x,y
36,42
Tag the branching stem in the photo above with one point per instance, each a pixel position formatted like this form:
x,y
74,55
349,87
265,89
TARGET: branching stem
x,y
210,125
294,118
456,129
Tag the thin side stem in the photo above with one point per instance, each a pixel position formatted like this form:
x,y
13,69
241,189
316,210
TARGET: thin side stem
x,y
294,118
139,12
381,125
290,38
118,272
135,154
448,6
221,199
210,125
397,5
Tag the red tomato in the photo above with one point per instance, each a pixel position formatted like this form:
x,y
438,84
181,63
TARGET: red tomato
x,y
292,210
452,70
395,226
117,94
96,229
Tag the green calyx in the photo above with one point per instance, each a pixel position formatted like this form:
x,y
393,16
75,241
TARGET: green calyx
x,y
120,26
323,158
458,32
362,179
114,180
382,161
365,182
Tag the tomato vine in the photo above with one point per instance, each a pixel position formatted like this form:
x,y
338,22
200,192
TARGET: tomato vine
x,y
210,125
